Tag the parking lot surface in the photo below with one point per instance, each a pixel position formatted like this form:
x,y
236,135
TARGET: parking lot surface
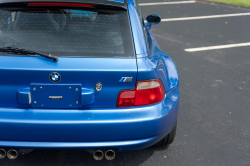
x,y
213,120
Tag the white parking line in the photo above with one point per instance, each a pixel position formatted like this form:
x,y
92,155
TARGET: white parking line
x,y
165,3
205,17
217,47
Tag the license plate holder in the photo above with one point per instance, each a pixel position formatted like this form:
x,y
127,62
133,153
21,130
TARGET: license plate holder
x,y
55,95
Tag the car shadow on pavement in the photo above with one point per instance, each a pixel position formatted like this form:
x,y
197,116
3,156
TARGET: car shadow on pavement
x,y
79,157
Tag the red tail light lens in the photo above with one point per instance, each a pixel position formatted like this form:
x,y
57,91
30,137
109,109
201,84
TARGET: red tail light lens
x,y
145,93
59,4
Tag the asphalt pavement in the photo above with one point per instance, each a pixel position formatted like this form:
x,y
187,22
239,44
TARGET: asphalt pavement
x,y
213,120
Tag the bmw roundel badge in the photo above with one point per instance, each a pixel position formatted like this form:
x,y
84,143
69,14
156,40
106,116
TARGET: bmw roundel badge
x,y
55,77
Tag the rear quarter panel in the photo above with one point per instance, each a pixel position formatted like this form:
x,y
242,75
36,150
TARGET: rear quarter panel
x,y
158,65
152,63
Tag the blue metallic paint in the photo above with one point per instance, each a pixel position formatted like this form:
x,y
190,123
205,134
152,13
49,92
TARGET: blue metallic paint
x,y
91,127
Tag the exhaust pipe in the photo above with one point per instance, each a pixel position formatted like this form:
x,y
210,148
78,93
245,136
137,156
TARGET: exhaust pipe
x,y
12,154
98,154
2,153
110,154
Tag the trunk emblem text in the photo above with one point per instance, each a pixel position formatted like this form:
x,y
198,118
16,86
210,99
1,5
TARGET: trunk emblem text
x,y
126,79
55,97
55,77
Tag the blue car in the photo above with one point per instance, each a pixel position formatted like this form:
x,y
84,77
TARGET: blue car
x,y
77,74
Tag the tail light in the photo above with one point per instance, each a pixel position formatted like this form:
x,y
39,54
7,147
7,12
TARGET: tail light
x,y
144,93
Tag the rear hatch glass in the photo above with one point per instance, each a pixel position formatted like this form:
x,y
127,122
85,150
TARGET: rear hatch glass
x,y
63,31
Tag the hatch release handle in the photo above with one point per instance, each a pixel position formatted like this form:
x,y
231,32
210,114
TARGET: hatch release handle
x,y
87,96
24,96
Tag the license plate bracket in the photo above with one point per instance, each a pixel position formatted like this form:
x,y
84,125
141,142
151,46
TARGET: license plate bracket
x,y
55,95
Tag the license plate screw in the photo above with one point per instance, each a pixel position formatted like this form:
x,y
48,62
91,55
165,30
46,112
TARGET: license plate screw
x,y
41,87
70,105
34,88
76,89
76,102
69,87
42,104
35,102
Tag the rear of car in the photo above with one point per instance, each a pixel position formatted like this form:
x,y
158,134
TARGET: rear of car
x,y
98,95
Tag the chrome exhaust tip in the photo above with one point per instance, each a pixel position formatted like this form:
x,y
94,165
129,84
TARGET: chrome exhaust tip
x,y
2,153
98,155
12,154
110,154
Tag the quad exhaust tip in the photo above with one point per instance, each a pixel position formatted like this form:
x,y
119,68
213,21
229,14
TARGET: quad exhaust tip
x,y
2,153
98,155
110,154
12,154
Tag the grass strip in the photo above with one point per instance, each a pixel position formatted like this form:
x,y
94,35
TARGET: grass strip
x,y
235,2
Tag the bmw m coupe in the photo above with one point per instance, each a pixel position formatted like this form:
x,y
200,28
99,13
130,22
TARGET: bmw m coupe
x,y
83,74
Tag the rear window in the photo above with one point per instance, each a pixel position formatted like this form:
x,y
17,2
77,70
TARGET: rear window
x,y
67,32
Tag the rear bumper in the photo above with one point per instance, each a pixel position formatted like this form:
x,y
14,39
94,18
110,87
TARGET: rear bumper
x,y
124,129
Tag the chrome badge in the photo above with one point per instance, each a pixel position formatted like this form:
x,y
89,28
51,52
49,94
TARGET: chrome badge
x,y
98,86
126,79
55,77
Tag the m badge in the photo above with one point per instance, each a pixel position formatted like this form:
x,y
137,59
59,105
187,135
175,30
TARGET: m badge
x,y
126,79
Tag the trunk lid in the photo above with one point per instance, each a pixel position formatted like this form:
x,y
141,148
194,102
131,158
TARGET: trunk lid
x,y
17,73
